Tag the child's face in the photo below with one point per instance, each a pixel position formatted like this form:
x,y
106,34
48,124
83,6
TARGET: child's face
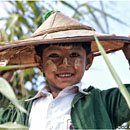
x,y
64,65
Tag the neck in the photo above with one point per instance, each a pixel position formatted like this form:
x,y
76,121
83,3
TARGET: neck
x,y
55,91
54,94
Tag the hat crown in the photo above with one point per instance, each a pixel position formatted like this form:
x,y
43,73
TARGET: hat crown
x,y
59,20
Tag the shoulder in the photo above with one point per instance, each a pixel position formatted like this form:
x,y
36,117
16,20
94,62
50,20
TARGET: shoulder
x,y
93,94
111,91
109,97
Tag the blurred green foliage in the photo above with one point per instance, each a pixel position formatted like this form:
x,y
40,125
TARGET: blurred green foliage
x,y
24,17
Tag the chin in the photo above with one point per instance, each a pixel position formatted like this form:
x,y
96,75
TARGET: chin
x,y
65,86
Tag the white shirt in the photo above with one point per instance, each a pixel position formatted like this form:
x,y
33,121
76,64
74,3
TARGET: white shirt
x,y
48,113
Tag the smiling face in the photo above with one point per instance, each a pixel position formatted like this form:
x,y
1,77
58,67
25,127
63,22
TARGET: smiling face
x,y
64,65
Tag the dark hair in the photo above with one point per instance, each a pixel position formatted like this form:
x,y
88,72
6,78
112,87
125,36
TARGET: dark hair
x,y
40,48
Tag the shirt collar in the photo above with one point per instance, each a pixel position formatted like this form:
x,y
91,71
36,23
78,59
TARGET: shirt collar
x,y
45,91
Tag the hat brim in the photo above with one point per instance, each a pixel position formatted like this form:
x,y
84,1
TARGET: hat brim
x,y
22,52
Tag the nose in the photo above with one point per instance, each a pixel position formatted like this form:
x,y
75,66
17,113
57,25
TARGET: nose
x,y
65,61
65,65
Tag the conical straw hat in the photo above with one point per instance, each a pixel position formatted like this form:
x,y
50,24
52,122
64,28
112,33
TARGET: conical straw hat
x,y
58,28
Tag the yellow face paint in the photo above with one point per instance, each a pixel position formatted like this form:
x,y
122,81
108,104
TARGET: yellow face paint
x,y
77,63
51,65
65,61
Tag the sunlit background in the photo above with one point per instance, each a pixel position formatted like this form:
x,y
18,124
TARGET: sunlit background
x,y
117,23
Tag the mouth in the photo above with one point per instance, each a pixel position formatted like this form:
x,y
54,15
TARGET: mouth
x,y
64,75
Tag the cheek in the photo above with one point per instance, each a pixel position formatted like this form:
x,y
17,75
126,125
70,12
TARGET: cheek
x,y
50,64
78,63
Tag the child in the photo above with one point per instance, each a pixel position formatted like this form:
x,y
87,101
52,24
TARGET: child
x,y
63,104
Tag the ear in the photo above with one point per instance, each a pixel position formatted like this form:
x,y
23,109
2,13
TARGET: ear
x,y
39,61
89,61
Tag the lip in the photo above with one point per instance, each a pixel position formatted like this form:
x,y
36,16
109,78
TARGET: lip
x,y
65,76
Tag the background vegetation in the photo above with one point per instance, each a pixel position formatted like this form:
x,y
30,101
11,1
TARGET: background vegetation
x,y
24,17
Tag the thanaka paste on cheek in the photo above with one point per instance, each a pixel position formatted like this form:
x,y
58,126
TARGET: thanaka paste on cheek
x,y
77,63
50,64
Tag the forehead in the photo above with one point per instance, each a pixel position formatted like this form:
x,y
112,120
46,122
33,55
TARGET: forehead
x,y
64,48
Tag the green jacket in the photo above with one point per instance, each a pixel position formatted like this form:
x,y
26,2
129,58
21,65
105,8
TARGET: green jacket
x,y
94,109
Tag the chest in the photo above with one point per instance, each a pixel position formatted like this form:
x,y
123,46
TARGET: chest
x,y
49,113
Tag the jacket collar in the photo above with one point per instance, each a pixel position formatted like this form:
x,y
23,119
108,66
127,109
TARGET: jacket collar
x,y
44,92
82,93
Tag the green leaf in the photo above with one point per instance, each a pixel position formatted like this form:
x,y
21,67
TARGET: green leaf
x,y
104,16
12,20
111,16
10,67
7,91
20,6
12,126
70,6
121,87
96,19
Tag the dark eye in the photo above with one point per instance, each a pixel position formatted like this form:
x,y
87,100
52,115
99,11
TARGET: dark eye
x,y
74,55
53,55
